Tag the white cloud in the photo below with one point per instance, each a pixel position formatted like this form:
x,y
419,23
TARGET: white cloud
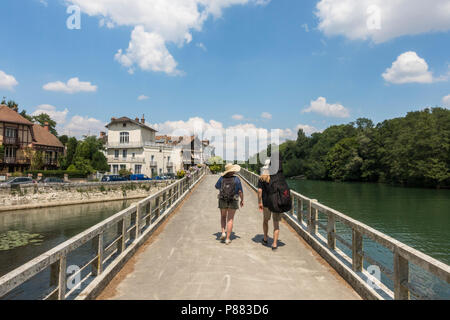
x,y
238,117
7,82
143,97
410,68
382,20
79,126
305,27
201,46
75,126
147,50
58,116
223,138
156,23
307,129
446,101
74,85
266,115
330,110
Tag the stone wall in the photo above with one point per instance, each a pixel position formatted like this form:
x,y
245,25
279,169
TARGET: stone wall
x,y
49,194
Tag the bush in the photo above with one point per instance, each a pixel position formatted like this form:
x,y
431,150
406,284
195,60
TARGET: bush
x,y
57,173
181,173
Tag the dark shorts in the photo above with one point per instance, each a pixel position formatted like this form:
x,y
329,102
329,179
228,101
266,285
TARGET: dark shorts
x,y
234,204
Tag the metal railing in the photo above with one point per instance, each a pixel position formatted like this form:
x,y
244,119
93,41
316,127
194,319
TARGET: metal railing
x,y
16,160
306,211
126,160
110,240
11,140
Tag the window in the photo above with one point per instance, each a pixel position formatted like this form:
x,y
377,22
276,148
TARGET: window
x,y
153,158
124,153
123,167
124,125
124,137
10,152
116,154
115,169
11,133
133,155
137,169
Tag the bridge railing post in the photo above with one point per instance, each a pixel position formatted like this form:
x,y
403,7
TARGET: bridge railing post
x,y
401,275
58,277
137,230
158,206
97,265
299,209
357,248
312,217
148,212
121,232
331,231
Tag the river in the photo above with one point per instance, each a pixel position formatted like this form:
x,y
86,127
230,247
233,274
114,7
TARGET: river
x,y
417,217
26,234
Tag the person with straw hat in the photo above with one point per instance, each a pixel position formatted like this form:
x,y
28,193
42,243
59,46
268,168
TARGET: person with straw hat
x,y
230,187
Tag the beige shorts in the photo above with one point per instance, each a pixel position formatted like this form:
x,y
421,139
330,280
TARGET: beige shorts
x,y
268,214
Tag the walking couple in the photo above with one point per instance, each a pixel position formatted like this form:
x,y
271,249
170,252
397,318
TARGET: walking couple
x,y
231,192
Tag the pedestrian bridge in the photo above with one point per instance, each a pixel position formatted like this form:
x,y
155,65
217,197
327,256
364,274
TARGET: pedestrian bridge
x,y
167,247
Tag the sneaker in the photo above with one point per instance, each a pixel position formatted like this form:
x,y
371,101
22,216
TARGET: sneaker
x,y
223,236
228,241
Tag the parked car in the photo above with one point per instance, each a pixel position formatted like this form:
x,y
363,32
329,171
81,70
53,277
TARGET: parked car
x,y
158,178
52,180
113,178
15,181
139,177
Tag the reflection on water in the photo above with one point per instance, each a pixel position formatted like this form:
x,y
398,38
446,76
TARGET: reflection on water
x,y
417,217
49,226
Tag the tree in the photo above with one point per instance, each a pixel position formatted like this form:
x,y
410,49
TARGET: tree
x,y
99,162
44,118
64,139
37,160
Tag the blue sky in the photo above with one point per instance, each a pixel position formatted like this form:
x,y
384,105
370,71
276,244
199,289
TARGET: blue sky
x,y
227,61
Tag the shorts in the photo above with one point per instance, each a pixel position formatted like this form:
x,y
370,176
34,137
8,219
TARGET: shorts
x,y
233,204
268,214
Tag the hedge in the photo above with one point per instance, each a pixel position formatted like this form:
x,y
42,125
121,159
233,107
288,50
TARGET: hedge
x,y
57,173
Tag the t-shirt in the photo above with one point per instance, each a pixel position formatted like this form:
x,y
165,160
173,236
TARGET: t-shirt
x,y
264,186
238,185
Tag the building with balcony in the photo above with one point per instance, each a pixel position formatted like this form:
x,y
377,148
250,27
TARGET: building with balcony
x,y
20,138
132,145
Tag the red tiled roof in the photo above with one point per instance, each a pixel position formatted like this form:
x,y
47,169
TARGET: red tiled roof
x,y
45,138
9,115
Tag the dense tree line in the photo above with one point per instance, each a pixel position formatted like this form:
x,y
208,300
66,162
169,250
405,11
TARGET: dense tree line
x,y
412,151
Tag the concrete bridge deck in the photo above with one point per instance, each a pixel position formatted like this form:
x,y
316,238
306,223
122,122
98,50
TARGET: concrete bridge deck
x,y
186,260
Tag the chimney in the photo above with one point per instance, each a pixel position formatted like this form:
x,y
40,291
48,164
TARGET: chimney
x,y
46,126
137,119
143,119
112,119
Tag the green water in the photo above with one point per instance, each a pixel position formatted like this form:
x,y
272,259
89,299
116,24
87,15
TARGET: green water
x,y
417,217
33,232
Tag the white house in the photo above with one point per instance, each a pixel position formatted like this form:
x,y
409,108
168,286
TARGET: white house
x,y
134,146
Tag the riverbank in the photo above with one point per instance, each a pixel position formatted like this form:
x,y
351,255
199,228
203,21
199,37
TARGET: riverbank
x,y
54,195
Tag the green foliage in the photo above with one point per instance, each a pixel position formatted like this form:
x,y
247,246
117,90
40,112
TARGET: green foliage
x,y
37,160
124,172
57,173
42,118
2,152
411,151
64,139
181,173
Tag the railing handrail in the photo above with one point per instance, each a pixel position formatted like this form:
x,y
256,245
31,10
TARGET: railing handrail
x,y
403,254
55,255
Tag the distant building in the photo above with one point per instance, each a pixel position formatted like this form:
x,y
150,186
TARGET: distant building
x,y
134,146
20,137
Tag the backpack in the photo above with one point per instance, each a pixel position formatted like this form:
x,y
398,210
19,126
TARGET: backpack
x,y
228,189
279,200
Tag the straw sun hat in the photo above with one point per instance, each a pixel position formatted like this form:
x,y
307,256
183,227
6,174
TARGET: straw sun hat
x,y
231,168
